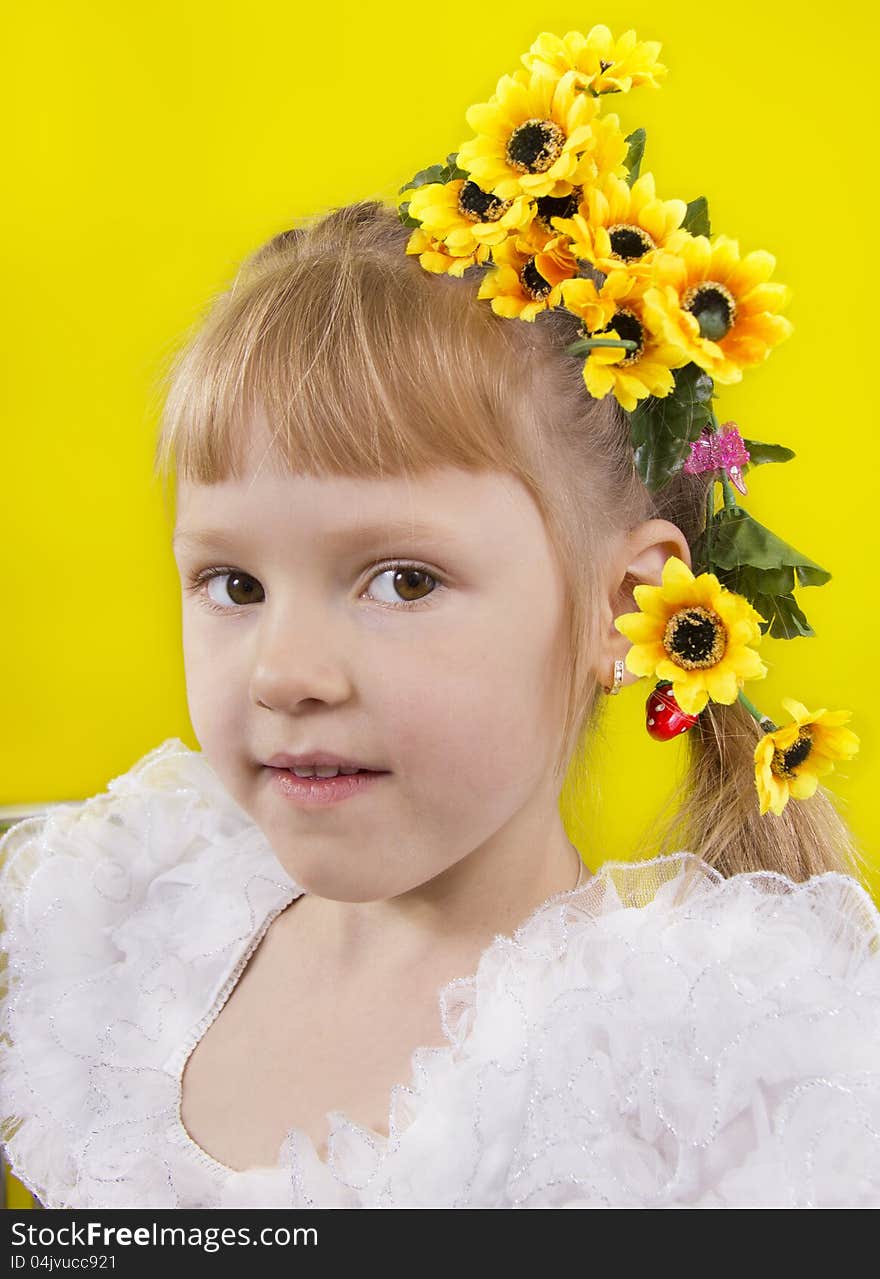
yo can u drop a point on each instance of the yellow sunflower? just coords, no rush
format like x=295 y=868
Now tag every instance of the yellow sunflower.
x=696 y=633
x=540 y=136
x=632 y=375
x=528 y=274
x=716 y=306
x=603 y=64
x=790 y=760
x=623 y=226
x=434 y=256
x=463 y=216
x=593 y=305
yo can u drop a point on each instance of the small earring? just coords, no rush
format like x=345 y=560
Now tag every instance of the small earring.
x=618 y=677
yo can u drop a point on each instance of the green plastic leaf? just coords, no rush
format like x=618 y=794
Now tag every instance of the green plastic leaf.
x=752 y=561
x=452 y=169
x=635 y=154
x=442 y=173
x=785 y=620
x=696 y=219
x=662 y=429
x=403 y=214
x=765 y=581
x=432 y=174
x=761 y=453
x=737 y=538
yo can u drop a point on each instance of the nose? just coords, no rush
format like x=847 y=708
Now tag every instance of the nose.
x=295 y=659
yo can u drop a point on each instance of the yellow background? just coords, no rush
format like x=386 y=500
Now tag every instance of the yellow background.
x=148 y=149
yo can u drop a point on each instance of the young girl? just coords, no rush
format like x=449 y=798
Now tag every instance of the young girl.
x=405 y=532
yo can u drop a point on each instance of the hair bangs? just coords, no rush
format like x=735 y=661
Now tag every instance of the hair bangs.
x=359 y=364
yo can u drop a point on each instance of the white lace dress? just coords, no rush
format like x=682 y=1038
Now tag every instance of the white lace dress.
x=658 y=1037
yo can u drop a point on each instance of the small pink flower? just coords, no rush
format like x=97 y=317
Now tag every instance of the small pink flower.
x=717 y=450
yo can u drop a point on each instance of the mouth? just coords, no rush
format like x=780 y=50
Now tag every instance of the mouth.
x=304 y=776
x=317 y=792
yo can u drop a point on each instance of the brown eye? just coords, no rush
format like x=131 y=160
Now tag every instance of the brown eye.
x=405 y=582
x=236 y=587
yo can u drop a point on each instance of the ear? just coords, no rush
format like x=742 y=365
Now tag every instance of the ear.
x=640 y=558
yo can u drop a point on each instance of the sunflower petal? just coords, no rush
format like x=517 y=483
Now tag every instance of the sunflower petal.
x=690 y=694
x=796 y=710
x=837 y=742
x=722 y=684
x=643 y=659
x=651 y=599
x=804 y=784
x=779 y=794
x=640 y=627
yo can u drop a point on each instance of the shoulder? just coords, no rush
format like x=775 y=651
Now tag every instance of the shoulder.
x=700 y=1040
x=118 y=915
x=145 y=821
x=70 y=878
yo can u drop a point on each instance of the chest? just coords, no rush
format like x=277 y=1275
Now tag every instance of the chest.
x=289 y=1045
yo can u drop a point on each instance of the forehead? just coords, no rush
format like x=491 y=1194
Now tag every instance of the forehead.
x=447 y=503
x=264 y=498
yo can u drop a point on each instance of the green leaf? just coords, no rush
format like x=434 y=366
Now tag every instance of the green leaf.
x=752 y=582
x=432 y=174
x=737 y=539
x=783 y=619
x=442 y=173
x=452 y=170
x=403 y=214
x=663 y=428
x=761 y=453
x=696 y=219
x=635 y=154
x=752 y=561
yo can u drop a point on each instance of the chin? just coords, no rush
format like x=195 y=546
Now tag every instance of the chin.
x=336 y=881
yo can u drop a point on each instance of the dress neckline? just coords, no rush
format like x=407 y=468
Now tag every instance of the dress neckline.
x=178 y=1059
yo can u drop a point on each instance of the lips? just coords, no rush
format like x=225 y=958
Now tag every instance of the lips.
x=319 y=759
x=322 y=792
x=305 y=773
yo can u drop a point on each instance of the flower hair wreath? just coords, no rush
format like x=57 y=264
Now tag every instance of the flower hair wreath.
x=548 y=192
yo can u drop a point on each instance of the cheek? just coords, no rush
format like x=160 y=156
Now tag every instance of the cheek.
x=213 y=712
x=483 y=715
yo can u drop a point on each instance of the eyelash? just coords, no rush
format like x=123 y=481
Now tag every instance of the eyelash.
x=198 y=581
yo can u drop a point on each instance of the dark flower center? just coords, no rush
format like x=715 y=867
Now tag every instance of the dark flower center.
x=784 y=763
x=557 y=206
x=533 y=282
x=695 y=638
x=630 y=242
x=478 y=205
x=627 y=325
x=714 y=308
x=534 y=146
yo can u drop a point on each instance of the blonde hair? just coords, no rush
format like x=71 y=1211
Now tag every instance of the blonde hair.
x=366 y=365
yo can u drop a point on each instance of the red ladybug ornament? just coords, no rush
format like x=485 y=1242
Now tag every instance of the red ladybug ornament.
x=664 y=718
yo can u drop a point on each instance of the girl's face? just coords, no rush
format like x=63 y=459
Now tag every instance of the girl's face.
x=448 y=674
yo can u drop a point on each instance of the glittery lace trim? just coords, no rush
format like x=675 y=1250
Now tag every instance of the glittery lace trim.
x=177 y=1062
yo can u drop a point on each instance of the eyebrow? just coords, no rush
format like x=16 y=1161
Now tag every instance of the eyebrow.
x=222 y=538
